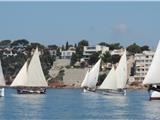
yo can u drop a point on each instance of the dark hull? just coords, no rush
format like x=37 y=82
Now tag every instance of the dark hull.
x=31 y=91
x=154 y=98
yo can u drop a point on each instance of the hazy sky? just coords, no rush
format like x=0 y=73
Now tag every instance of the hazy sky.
x=58 y=22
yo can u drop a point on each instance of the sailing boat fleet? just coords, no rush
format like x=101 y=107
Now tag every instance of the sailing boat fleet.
x=31 y=80
x=115 y=81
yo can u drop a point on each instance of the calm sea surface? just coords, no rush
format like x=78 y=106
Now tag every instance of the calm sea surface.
x=74 y=104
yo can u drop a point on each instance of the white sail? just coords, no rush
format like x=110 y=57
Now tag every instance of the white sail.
x=152 y=76
x=2 y=80
x=31 y=75
x=110 y=81
x=93 y=75
x=121 y=72
x=35 y=73
x=84 y=83
x=21 y=77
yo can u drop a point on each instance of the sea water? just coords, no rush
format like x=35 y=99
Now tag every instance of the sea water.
x=73 y=104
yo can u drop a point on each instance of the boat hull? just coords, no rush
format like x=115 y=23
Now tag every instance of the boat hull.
x=1 y=92
x=154 y=95
x=87 y=90
x=113 y=92
x=31 y=91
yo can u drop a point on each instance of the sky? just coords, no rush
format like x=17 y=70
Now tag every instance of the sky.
x=56 y=22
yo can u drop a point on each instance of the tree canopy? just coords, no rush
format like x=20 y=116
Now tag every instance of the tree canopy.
x=83 y=43
x=106 y=57
x=5 y=42
x=93 y=58
x=20 y=42
x=134 y=48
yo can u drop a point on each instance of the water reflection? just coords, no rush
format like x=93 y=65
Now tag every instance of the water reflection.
x=29 y=106
x=2 y=107
x=151 y=110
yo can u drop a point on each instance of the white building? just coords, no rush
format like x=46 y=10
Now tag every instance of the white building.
x=67 y=54
x=117 y=52
x=89 y=50
x=142 y=64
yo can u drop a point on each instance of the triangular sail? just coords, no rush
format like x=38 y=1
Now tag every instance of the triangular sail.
x=35 y=74
x=84 y=83
x=121 y=72
x=110 y=81
x=93 y=75
x=21 y=77
x=2 y=80
x=152 y=76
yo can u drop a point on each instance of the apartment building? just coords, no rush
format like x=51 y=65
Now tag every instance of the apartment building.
x=142 y=64
x=89 y=50
x=117 y=52
x=67 y=54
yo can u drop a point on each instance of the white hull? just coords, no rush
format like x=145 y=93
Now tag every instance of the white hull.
x=1 y=92
x=88 y=90
x=154 y=95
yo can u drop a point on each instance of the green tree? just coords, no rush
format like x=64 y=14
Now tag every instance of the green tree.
x=67 y=45
x=73 y=59
x=5 y=42
x=134 y=48
x=102 y=43
x=23 y=42
x=115 y=59
x=53 y=47
x=58 y=53
x=83 y=43
x=145 y=48
x=115 y=46
x=47 y=62
x=93 y=58
x=34 y=45
x=106 y=57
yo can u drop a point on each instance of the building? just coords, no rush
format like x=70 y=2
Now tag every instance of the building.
x=89 y=50
x=67 y=54
x=117 y=52
x=142 y=64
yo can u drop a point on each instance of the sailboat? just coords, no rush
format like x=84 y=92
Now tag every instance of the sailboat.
x=91 y=78
x=116 y=79
x=2 y=81
x=152 y=77
x=30 y=78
